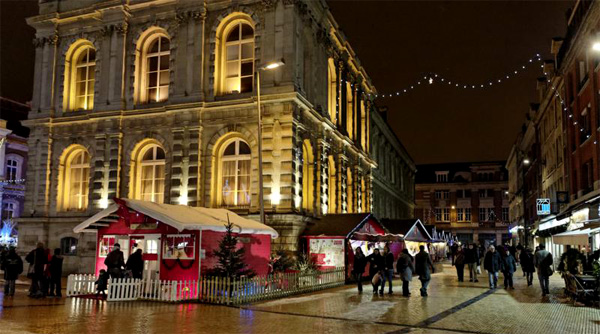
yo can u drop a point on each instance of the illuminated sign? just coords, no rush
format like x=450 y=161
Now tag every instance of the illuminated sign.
x=543 y=206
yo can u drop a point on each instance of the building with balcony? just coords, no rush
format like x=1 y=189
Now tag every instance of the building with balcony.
x=468 y=199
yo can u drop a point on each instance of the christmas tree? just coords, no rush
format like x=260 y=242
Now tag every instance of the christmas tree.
x=231 y=260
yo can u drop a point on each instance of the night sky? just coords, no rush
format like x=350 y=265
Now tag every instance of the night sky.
x=398 y=42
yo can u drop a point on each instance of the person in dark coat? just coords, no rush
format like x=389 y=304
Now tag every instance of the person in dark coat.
x=376 y=265
x=12 y=265
x=388 y=271
x=358 y=269
x=453 y=250
x=56 y=274
x=544 y=263
x=492 y=263
x=509 y=266
x=114 y=262
x=423 y=268
x=135 y=263
x=459 y=263
x=37 y=259
x=405 y=268
x=102 y=282
x=527 y=265
x=472 y=260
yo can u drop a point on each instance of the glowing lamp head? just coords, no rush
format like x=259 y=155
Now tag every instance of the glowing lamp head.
x=453 y=207
x=272 y=65
x=596 y=46
x=183 y=200
x=526 y=161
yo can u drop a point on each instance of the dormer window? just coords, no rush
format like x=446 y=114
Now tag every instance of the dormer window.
x=441 y=177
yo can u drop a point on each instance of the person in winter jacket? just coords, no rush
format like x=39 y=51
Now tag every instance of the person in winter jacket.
x=37 y=259
x=135 y=263
x=405 y=268
x=423 y=268
x=388 y=270
x=459 y=263
x=527 y=265
x=543 y=262
x=12 y=265
x=509 y=266
x=358 y=269
x=56 y=264
x=492 y=263
x=114 y=262
x=472 y=260
x=376 y=265
x=102 y=282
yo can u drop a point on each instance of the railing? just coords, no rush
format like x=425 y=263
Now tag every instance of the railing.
x=215 y=290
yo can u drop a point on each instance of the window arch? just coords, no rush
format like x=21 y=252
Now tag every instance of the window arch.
x=80 y=76
x=14 y=167
x=332 y=90
x=149 y=173
x=308 y=171
x=153 y=66
x=234 y=167
x=332 y=186
x=236 y=58
x=74 y=179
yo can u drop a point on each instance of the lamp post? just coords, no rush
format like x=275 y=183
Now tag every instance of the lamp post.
x=261 y=200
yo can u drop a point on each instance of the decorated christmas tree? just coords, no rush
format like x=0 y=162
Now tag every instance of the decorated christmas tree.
x=231 y=260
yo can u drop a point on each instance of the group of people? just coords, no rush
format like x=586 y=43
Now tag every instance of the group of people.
x=117 y=268
x=381 y=269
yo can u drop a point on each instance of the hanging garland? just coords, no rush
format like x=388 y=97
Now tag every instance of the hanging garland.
x=178 y=261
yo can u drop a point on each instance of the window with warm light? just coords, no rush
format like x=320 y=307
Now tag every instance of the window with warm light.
x=307 y=176
x=75 y=180
x=332 y=90
x=239 y=58
x=151 y=172
x=80 y=76
x=157 y=66
x=235 y=174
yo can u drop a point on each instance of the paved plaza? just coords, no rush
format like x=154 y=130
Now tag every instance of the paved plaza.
x=450 y=308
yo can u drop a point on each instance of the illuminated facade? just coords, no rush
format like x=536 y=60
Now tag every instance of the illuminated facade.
x=156 y=100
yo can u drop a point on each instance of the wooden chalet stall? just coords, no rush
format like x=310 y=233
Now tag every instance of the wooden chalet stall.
x=413 y=231
x=177 y=241
x=331 y=241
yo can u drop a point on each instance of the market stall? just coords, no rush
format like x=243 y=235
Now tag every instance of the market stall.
x=414 y=232
x=438 y=244
x=177 y=241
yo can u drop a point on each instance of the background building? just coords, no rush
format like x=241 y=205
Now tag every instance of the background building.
x=468 y=199
x=394 y=177
x=156 y=101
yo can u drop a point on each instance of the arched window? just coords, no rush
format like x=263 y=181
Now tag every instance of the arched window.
x=150 y=174
x=74 y=180
x=332 y=90
x=152 y=73
x=307 y=176
x=235 y=174
x=349 y=191
x=238 y=51
x=332 y=186
x=80 y=76
x=10 y=210
x=349 y=110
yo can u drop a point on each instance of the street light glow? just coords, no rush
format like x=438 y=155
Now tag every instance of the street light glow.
x=596 y=46
x=272 y=65
x=526 y=161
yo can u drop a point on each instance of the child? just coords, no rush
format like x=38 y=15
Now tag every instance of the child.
x=13 y=267
x=102 y=283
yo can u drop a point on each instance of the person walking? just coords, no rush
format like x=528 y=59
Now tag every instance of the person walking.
x=358 y=269
x=388 y=270
x=114 y=262
x=527 y=265
x=135 y=263
x=472 y=260
x=12 y=265
x=423 y=268
x=405 y=268
x=376 y=265
x=459 y=263
x=56 y=274
x=453 y=250
x=492 y=263
x=543 y=262
x=509 y=266
x=37 y=260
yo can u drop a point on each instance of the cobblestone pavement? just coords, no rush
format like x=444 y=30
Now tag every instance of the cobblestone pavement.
x=450 y=308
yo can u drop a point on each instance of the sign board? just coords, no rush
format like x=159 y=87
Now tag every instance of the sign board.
x=327 y=252
x=543 y=206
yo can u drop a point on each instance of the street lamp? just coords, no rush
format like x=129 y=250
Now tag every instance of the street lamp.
x=266 y=67
x=526 y=161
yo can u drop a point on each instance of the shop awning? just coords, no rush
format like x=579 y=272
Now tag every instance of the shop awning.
x=579 y=237
x=183 y=217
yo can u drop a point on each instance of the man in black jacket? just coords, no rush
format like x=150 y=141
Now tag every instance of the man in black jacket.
x=376 y=265
x=472 y=261
x=492 y=263
x=115 y=261
x=388 y=270
x=423 y=268
x=38 y=259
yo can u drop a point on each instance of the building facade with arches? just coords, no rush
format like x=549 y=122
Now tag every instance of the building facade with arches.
x=156 y=100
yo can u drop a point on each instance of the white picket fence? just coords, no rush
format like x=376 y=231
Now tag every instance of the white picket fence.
x=216 y=290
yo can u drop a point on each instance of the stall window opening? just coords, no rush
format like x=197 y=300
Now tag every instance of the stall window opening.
x=179 y=246
x=106 y=245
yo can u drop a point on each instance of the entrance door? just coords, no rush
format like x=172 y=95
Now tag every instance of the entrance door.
x=149 y=244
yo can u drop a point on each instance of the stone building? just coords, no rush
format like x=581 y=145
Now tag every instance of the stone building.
x=156 y=100
x=394 y=177
x=468 y=199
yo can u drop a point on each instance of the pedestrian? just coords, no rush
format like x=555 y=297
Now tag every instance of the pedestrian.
x=388 y=270
x=405 y=268
x=360 y=262
x=37 y=259
x=56 y=274
x=114 y=262
x=459 y=263
x=472 y=260
x=46 y=278
x=423 y=268
x=12 y=265
x=376 y=265
x=527 y=266
x=492 y=263
x=543 y=262
x=102 y=283
x=135 y=263
x=509 y=266
x=453 y=250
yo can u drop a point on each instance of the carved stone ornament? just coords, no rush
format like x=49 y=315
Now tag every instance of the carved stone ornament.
x=268 y=4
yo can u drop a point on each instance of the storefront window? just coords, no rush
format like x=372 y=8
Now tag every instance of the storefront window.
x=179 y=246
x=106 y=245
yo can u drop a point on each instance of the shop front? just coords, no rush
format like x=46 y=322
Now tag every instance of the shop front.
x=177 y=241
